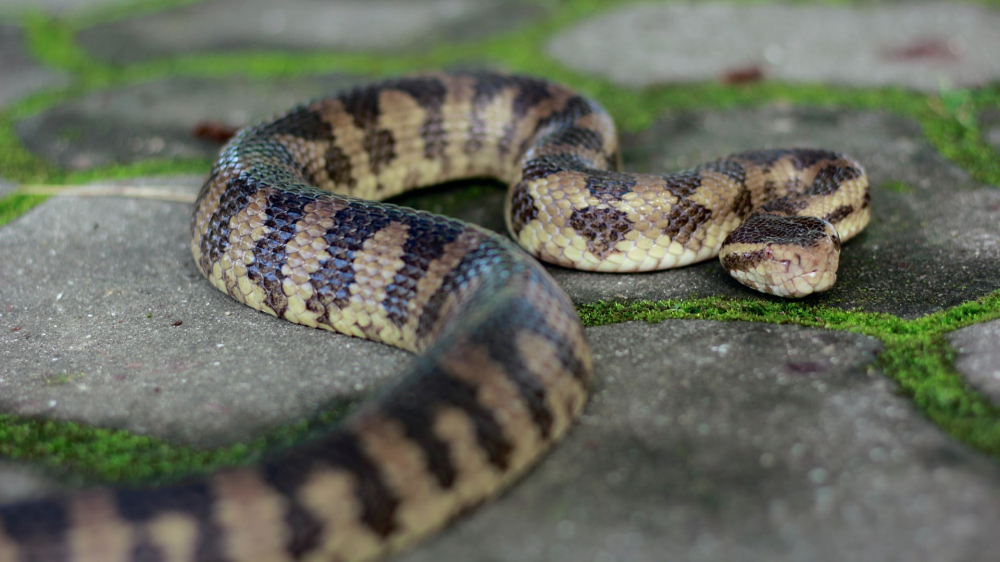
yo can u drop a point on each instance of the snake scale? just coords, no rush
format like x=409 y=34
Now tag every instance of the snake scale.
x=286 y=224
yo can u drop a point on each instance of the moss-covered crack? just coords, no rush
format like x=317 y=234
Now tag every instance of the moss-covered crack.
x=915 y=353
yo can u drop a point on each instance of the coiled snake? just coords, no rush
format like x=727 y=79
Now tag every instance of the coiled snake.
x=502 y=366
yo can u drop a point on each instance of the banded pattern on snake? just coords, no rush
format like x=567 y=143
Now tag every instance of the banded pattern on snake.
x=502 y=366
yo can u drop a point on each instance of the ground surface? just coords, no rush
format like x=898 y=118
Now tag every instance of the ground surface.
x=861 y=424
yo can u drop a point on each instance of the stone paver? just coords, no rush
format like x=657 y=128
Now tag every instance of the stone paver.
x=19 y=73
x=55 y=7
x=365 y=25
x=917 y=45
x=159 y=119
x=6 y=187
x=20 y=482
x=991 y=127
x=94 y=289
x=743 y=442
x=977 y=350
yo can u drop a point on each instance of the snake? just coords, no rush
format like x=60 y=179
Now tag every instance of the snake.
x=291 y=221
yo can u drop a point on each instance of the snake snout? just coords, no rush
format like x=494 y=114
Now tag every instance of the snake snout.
x=801 y=257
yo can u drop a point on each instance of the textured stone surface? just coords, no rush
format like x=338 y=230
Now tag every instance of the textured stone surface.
x=720 y=442
x=932 y=243
x=93 y=288
x=991 y=127
x=56 y=7
x=19 y=73
x=6 y=187
x=20 y=482
x=917 y=45
x=159 y=119
x=977 y=357
x=364 y=25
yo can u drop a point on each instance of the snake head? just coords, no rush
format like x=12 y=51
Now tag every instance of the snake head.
x=784 y=256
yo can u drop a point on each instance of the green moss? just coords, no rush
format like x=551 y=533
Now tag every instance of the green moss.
x=82 y=453
x=63 y=379
x=53 y=42
x=897 y=186
x=16 y=204
x=915 y=352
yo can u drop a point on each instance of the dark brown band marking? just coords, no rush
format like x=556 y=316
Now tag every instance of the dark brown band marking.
x=728 y=167
x=415 y=407
x=838 y=214
x=338 y=167
x=429 y=93
x=194 y=500
x=603 y=227
x=742 y=261
x=40 y=528
x=301 y=122
x=522 y=208
x=830 y=177
x=498 y=336
x=338 y=450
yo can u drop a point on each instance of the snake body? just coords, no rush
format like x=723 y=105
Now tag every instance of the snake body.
x=285 y=224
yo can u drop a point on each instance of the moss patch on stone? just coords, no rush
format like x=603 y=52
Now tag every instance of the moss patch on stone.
x=16 y=204
x=915 y=353
x=86 y=454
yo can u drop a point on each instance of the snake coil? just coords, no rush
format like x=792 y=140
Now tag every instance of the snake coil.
x=286 y=224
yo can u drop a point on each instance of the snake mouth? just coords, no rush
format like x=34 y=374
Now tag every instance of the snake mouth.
x=786 y=269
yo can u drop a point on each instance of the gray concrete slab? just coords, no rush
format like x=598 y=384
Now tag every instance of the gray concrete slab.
x=20 y=74
x=977 y=357
x=6 y=187
x=990 y=124
x=55 y=7
x=159 y=119
x=305 y=25
x=916 y=45
x=96 y=287
x=928 y=247
x=21 y=482
x=740 y=442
